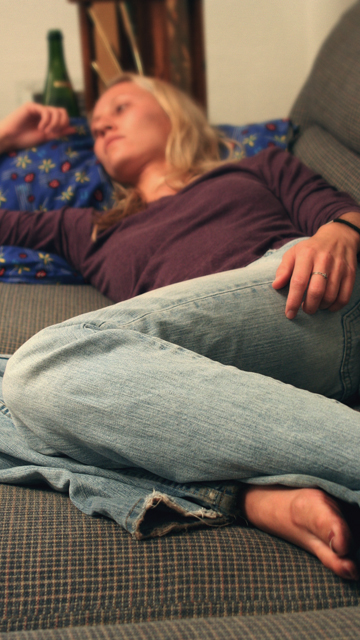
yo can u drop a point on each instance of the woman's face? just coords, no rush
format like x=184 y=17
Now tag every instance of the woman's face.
x=130 y=131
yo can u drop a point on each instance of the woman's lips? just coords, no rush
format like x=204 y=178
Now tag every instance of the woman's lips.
x=112 y=139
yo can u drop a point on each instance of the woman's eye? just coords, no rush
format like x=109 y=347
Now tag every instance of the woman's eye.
x=120 y=107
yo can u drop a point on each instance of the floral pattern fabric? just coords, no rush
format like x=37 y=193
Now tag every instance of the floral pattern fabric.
x=65 y=172
x=57 y=173
x=252 y=138
x=27 y=265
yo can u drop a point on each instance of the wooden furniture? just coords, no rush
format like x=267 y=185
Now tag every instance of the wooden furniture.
x=168 y=33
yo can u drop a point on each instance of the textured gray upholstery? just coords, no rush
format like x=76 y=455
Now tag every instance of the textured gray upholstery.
x=27 y=308
x=328 y=108
x=341 y=624
x=66 y=576
x=61 y=568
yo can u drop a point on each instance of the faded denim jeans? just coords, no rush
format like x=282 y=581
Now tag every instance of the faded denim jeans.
x=155 y=410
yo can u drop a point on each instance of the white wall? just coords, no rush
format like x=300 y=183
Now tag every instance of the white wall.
x=23 y=28
x=259 y=53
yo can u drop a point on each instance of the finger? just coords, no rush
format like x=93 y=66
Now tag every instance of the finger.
x=298 y=285
x=345 y=291
x=330 y=295
x=335 y=282
x=315 y=293
x=45 y=119
x=29 y=117
x=62 y=119
x=340 y=285
x=54 y=121
x=284 y=271
x=63 y=126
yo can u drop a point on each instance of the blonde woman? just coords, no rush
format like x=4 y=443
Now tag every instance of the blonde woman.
x=213 y=374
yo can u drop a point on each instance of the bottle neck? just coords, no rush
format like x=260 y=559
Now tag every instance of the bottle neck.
x=58 y=91
x=56 y=57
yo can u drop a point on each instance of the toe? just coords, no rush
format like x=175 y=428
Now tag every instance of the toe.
x=343 y=567
x=322 y=517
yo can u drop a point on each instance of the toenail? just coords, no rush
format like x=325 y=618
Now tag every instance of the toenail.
x=351 y=575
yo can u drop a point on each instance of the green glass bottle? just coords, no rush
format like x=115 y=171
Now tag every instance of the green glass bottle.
x=58 y=90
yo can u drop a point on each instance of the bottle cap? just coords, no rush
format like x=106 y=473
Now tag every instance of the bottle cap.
x=54 y=34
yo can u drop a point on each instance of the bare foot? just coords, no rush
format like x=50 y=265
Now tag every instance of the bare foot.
x=309 y=518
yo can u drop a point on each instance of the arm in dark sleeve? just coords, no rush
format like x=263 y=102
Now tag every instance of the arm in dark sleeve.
x=307 y=198
x=66 y=232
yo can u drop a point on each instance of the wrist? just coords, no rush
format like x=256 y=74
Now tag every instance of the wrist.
x=5 y=142
x=351 y=222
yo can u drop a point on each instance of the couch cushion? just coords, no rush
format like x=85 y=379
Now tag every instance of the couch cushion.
x=27 y=308
x=324 y=154
x=330 y=97
x=61 y=568
x=342 y=623
x=327 y=109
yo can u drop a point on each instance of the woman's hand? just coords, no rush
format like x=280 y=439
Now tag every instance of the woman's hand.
x=332 y=251
x=32 y=124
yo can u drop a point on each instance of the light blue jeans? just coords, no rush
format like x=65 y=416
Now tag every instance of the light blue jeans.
x=152 y=410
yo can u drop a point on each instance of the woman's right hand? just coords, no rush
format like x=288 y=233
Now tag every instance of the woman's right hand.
x=32 y=124
x=321 y=270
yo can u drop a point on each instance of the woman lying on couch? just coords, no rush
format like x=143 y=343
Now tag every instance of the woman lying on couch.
x=250 y=310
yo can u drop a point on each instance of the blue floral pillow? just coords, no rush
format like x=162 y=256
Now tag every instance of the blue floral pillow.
x=66 y=172
x=57 y=173
x=44 y=178
x=28 y=265
x=252 y=138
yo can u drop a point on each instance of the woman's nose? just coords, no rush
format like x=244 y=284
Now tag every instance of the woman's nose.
x=104 y=125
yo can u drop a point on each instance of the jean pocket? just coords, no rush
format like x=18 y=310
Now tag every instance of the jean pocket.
x=350 y=366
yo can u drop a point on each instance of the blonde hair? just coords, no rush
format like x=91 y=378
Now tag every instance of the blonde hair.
x=192 y=147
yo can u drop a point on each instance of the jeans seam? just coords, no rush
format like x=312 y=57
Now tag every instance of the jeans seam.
x=182 y=304
x=346 y=379
x=4 y=410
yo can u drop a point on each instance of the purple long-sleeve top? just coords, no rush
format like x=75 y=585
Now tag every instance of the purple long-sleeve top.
x=224 y=220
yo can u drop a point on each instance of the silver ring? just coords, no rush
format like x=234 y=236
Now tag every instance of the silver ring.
x=319 y=273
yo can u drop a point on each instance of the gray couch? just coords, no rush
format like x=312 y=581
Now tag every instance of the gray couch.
x=66 y=575
x=327 y=109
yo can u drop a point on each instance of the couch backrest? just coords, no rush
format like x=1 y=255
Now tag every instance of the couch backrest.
x=331 y=95
x=328 y=109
